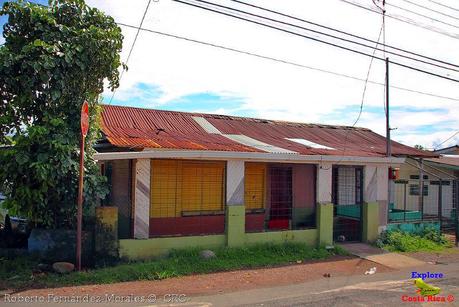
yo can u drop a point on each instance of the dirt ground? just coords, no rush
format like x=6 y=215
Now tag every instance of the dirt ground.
x=447 y=256
x=225 y=281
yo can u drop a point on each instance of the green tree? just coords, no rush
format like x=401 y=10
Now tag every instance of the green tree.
x=54 y=58
x=420 y=147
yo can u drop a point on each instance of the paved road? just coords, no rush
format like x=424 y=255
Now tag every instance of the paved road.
x=387 y=289
x=380 y=289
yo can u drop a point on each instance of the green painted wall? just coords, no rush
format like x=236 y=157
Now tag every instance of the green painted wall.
x=308 y=236
x=148 y=248
x=235 y=236
x=325 y=224
x=235 y=225
x=370 y=222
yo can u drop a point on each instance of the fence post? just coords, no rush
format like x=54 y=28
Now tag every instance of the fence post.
x=421 y=188
x=440 y=205
x=456 y=218
x=457 y=228
x=421 y=198
x=404 y=201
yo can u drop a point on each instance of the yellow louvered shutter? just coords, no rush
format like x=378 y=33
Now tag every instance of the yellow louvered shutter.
x=186 y=186
x=191 y=187
x=164 y=177
x=254 y=195
x=202 y=186
x=212 y=186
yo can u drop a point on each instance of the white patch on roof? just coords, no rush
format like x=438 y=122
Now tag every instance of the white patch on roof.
x=310 y=144
x=248 y=141
x=204 y=123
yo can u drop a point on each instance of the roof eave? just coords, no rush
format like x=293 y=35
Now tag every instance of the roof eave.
x=247 y=156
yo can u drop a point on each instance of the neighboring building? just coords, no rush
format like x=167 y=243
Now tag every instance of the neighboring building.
x=452 y=150
x=190 y=179
x=438 y=178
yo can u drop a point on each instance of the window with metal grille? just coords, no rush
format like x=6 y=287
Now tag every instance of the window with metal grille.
x=414 y=189
x=443 y=182
x=417 y=177
x=186 y=188
x=281 y=193
x=347 y=185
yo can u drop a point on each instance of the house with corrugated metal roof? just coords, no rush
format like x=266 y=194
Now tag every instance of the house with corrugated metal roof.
x=189 y=179
x=425 y=193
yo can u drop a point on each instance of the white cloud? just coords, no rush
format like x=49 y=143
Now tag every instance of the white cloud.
x=274 y=90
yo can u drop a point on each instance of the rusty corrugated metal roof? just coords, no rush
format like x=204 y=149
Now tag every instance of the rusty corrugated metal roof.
x=148 y=128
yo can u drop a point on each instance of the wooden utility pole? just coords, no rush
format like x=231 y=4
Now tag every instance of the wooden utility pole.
x=388 y=145
x=84 y=123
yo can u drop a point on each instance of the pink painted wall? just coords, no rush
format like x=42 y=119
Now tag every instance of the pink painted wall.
x=304 y=186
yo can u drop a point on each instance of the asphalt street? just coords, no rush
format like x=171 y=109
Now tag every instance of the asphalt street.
x=388 y=289
x=381 y=289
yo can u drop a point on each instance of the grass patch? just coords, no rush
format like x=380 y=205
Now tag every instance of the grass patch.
x=16 y=273
x=426 y=241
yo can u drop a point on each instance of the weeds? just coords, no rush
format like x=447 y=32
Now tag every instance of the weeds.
x=426 y=240
x=178 y=263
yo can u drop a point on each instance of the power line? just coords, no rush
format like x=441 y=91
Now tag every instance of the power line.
x=454 y=134
x=422 y=15
x=333 y=36
x=404 y=20
x=317 y=40
x=341 y=32
x=430 y=9
x=383 y=10
x=132 y=48
x=283 y=61
x=444 y=5
x=363 y=98
x=366 y=79
x=363 y=93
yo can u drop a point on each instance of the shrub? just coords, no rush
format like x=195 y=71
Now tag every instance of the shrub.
x=428 y=239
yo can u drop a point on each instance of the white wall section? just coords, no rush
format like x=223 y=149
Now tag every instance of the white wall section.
x=142 y=199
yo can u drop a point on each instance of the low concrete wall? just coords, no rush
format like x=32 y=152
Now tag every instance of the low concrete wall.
x=234 y=236
x=308 y=236
x=144 y=249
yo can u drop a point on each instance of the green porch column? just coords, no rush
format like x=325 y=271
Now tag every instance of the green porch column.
x=235 y=208
x=325 y=223
x=235 y=225
x=370 y=221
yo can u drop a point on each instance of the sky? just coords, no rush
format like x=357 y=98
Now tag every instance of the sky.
x=171 y=74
